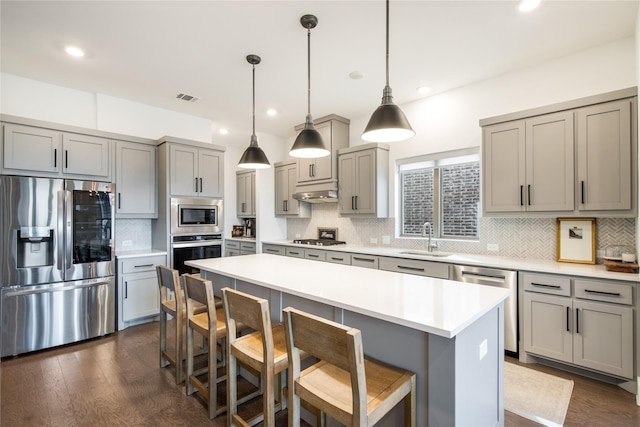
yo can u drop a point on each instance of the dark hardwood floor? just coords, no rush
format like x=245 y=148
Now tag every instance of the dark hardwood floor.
x=116 y=381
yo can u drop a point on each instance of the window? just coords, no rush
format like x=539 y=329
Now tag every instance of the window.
x=442 y=189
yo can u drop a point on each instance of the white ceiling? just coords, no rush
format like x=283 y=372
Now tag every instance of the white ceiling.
x=149 y=51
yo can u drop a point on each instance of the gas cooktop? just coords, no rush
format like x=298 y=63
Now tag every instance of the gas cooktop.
x=319 y=242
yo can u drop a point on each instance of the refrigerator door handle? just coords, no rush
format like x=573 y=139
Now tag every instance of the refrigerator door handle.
x=60 y=232
x=68 y=227
x=55 y=287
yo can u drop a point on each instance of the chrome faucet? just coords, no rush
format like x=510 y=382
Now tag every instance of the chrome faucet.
x=430 y=246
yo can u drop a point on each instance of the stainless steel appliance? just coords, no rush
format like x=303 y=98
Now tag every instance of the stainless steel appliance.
x=187 y=248
x=57 y=273
x=499 y=278
x=196 y=216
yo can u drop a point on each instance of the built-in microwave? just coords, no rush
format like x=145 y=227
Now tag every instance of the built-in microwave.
x=190 y=216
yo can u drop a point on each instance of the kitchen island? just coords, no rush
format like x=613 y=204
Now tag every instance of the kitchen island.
x=449 y=333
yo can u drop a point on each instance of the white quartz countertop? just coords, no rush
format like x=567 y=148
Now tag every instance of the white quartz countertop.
x=139 y=253
x=521 y=264
x=436 y=306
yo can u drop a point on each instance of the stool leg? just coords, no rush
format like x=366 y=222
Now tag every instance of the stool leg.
x=189 y=388
x=268 y=397
x=212 y=373
x=163 y=339
x=179 y=363
x=410 y=405
x=232 y=388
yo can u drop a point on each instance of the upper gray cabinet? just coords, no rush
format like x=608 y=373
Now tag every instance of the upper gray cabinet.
x=136 y=180
x=604 y=156
x=363 y=173
x=246 y=194
x=285 y=205
x=38 y=151
x=335 y=134
x=528 y=165
x=578 y=160
x=195 y=171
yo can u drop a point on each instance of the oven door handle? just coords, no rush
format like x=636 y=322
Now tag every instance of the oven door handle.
x=195 y=244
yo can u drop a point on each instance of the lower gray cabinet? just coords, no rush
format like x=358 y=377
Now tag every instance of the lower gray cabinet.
x=231 y=248
x=590 y=328
x=411 y=266
x=273 y=249
x=138 y=292
x=366 y=261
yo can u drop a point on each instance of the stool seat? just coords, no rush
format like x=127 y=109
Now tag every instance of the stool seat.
x=249 y=347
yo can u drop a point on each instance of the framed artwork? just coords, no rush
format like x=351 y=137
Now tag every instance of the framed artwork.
x=577 y=240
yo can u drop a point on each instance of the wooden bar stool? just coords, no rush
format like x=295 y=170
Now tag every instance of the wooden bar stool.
x=171 y=304
x=212 y=326
x=344 y=384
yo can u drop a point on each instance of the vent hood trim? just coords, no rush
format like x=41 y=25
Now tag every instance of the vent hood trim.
x=319 y=196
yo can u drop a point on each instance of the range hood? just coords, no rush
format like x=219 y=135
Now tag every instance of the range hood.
x=328 y=195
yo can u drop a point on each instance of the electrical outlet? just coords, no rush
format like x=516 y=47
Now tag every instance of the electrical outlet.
x=374 y=240
x=493 y=247
x=127 y=243
x=297 y=235
x=386 y=240
x=483 y=349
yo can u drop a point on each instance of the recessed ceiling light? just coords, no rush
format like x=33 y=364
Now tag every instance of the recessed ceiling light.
x=528 y=5
x=356 y=75
x=272 y=112
x=74 y=51
x=223 y=131
x=424 y=89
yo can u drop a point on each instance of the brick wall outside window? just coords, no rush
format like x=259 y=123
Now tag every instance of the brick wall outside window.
x=417 y=203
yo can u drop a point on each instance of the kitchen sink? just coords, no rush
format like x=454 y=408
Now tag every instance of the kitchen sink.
x=427 y=253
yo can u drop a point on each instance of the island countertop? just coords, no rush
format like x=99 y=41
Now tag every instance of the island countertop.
x=436 y=306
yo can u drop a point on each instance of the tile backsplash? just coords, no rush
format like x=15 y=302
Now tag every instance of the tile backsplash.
x=516 y=237
x=135 y=231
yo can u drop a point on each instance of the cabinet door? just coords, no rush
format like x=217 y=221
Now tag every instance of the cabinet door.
x=547 y=326
x=241 y=194
x=549 y=163
x=604 y=156
x=210 y=169
x=347 y=183
x=293 y=205
x=504 y=167
x=136 y=182
x=282 y=189
x=320 y=168
x=140 y=296
x=603 y=337
x=31 y=149
x=365 y=182
x=86 y=155
x=184 y=170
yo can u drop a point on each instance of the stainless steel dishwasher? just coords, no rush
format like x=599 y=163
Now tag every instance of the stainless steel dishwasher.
x=502 y=279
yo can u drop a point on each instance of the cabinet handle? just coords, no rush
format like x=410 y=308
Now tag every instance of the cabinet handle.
x=529 y=194
x=143 y=265
x=568 y=315
x=196 y=184
x=582 y=192
x=577 y=320
x=363 y=259
x=294 y=253
x=353 y=203
x=55 y=157
x=119 y=200
x=611 y=294
x=337 y=259
x=313 y=170
x=66 y=159
x=243 y=207
x=356 y=202
x=521 y=201
x=201 y=184
x=544 y=285
x=313 y=256
x=404 y=267
x=273 y=251
x=126 y=290
x=310 y=171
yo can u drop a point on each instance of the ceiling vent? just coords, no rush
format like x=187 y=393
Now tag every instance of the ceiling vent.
x=185 y=97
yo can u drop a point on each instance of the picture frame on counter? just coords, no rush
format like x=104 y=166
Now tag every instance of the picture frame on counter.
x=576 y=240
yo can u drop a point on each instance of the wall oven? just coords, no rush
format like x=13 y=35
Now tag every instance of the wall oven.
x=187 y=248
x=196 y=216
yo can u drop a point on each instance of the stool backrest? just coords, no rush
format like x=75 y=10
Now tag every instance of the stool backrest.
x=199 y=290
x=169 y=282
x=332 y=342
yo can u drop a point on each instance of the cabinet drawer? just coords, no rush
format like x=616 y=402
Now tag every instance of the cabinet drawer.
x=410 y=266
x=295 y=252
x=248 y=246
x=137 y=265
x=315 y=254
x=366 y=261
x=274 y=250
x=620 y=293
x=232 y=244
x=546 y=284
x=339 y=258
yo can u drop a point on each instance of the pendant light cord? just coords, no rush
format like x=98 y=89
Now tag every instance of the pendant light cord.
x=387 y=57
x=308 y=71
x=254 y=100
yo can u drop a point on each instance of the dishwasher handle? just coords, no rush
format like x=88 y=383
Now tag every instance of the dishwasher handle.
x=498 y=278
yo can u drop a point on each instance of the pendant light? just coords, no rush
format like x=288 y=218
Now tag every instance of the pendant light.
x=309 y=143
x=253 y=157
x=388 y=123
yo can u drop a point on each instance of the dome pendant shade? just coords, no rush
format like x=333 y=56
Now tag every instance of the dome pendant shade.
x=388 y=123
x=253 y=157
x=309 y=142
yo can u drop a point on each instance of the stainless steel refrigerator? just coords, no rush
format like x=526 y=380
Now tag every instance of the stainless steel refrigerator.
x=57 y=281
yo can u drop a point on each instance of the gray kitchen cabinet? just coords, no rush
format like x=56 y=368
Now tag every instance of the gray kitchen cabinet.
x=273 y=249
x=136 y=180
x=315 y=254
x=294 y=252
x=335 y=134
x=413 y=266
x=528 y=165
x=195 y=171
x=363 y=180
x=366 y=261
x=604 y=156
x=246 y=194
x=34 y=151
x=286 y=179
x=589 y=327
x=247 y=248
x=231 y=248
x=338 y=257
x=139 y=296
